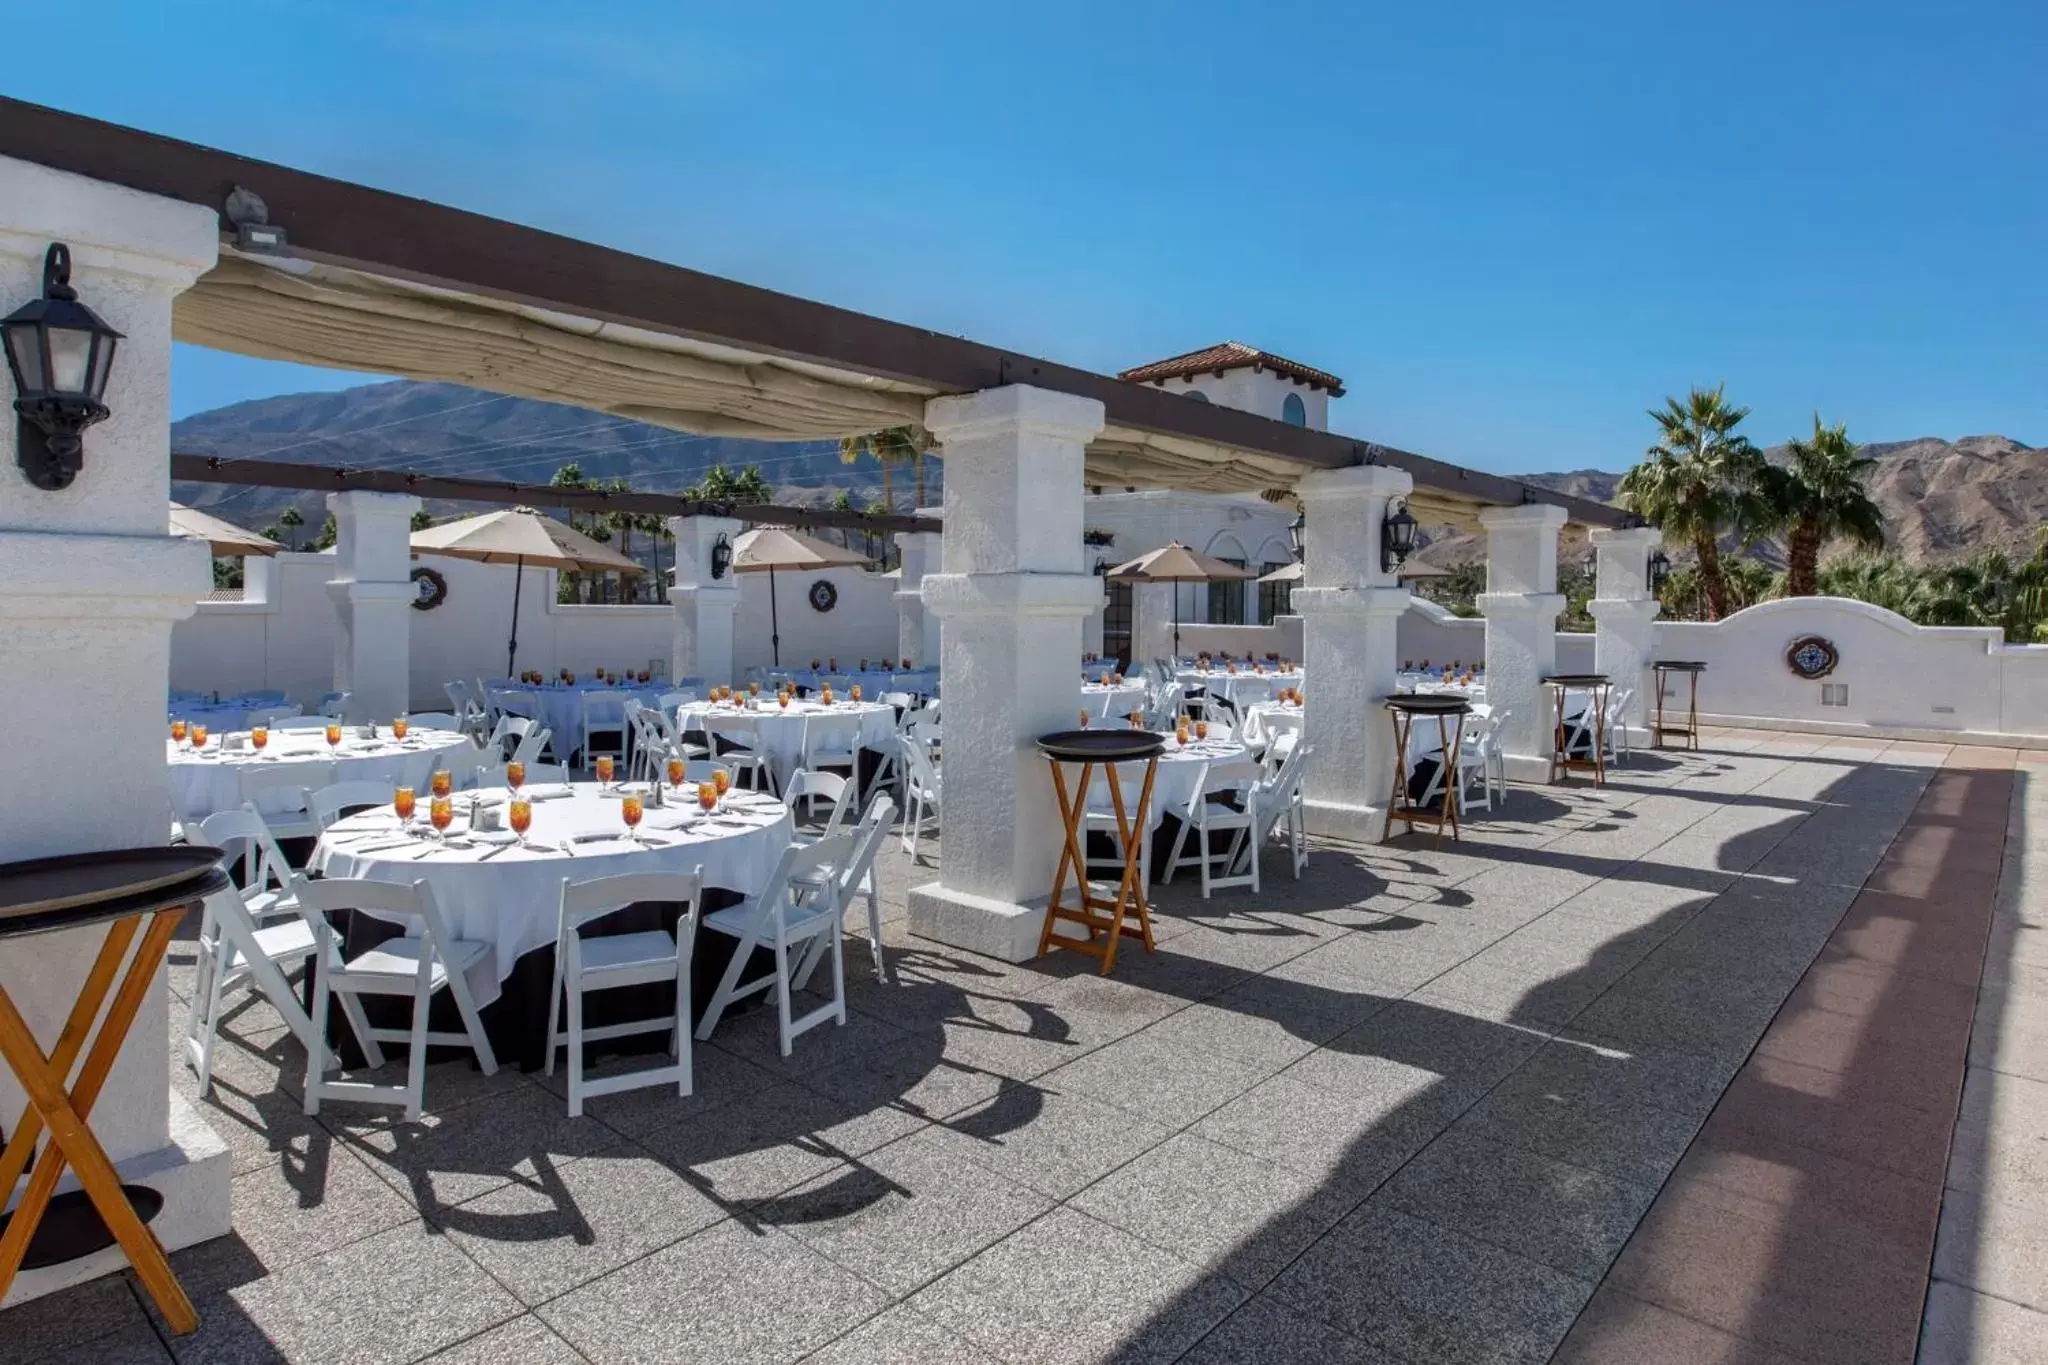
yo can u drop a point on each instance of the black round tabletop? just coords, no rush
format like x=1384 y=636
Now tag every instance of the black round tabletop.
x=1680 y=666
x=1428 y=704
x=1101 y=746
x=1577 y=680
x=43 y=894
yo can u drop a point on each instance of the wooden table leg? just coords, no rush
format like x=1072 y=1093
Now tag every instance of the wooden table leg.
x=71 y=1142
x=1070 y=854
x=1452 y=781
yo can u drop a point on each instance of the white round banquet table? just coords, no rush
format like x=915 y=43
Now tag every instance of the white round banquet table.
x=1173 y=786
x=1112 y=701
x=491 y=889
x=221 y=717
x=207 y=780
x=873 y=681
x=561 y=707
x=781 y=728
x=1242 y=687
x=1264 y=719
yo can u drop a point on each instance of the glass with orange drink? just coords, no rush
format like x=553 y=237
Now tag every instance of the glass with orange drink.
x=440 y=782
x=404 y=803
x=604 y=770
x=515 y=775
x=707 y=796
x=441 y=813
x=259 y=736
x=197 y=734
x=399 y=726
x=630 y=810
x=333 y=735
x=177 y=732
x=520 y=815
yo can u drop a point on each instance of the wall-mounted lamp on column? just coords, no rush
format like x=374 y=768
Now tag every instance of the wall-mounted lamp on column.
x=61 y=355
x=1397 y=537
x=1657 y=570
x=721 y=557
x=1297 y=534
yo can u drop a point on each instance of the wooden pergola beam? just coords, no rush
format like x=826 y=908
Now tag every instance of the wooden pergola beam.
x=331 y=479
x=387 y=234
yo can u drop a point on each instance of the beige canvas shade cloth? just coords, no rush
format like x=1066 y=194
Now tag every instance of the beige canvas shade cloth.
x=1176 y=563
x=228 y=540
x=520 y=535
x=1414 y=568
x=767 y=548
x=319 y=314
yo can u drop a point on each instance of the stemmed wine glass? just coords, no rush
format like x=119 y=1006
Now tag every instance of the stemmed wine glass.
x=441 y=813
x=520 y=814
x=604 y=771
x=630 y=810
x=404 y=803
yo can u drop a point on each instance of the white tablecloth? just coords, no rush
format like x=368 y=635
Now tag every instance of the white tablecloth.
x=1264 y=719
x=1242 y=687
x=562 y=707
x=513 y=901
x=1174 y=784
x=209 y=780
x=782 y=728
x=1103 y=701
x=873 y=681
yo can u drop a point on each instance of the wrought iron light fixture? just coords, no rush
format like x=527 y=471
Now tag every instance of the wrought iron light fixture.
x=61 y=354
x=721 y=557
x=1297 y=534
x=1397 y=537
x=1657 y=570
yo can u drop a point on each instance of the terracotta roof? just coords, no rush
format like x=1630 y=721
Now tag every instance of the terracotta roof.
x=1233 y=355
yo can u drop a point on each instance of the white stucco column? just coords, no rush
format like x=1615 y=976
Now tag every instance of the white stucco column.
x=373 y=595
x=1521 y=605
x=917 y=631
x=1012 y=593
x=90 y=584
x=701 y=645
x=1624 y=616
x=1350 y=607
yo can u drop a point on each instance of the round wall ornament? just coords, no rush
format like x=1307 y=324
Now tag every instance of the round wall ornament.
x=1812 y=657
x=823 y=596
x=431 y=587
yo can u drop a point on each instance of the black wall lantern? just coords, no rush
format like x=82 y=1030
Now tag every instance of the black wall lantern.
x=1297 y=534
x=721 y=557
x=1657 y=570
x=1397 y=537
x=61 y=355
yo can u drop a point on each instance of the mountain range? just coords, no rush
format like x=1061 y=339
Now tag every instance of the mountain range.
x=1940 y=498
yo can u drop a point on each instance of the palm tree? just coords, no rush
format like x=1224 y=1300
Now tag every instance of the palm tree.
x=1819 y=497
x=887 y=448
x=291 y=519
x=842 y=501
x=1698 y=482
x=569 y=586
x=422 y=519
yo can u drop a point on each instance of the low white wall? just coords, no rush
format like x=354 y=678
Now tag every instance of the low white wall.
x=282 y=635
x=1283 y=638
x=1900 y=678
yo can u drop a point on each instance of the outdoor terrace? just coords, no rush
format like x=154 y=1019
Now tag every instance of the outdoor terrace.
x=1669 y=1071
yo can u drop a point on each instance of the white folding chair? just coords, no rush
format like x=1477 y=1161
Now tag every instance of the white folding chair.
x=487 y=775
x=1201 y=817
x=282 y=795
x=604 y=728
x=1615 y=724
x=299 y=723
x=327 y=804
x=417 y=966
x=1100 y=818
x=532 y=745
x=921 y=788
x=460 y=701
x=832 y=744
x=798 y=903
x=268 y=716
x=807 y=787
x=640 y=958
x=857 y=877
x=1280 y=812
x=435 y=720
x=1479 y=759
x=335 y=705
x=735 y=741
x=252 y=933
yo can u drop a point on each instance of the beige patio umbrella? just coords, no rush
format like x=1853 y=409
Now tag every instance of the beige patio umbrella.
x=1176 y=563
x=228 y=540
x=768 y=548
x=520 y=536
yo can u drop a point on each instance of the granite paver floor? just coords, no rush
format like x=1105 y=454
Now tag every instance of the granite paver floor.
x=1410 y=1108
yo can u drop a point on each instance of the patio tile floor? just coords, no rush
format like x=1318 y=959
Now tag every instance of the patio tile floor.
x=1422 y=1106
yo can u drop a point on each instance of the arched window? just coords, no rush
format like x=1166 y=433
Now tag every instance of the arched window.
x=1294 y=412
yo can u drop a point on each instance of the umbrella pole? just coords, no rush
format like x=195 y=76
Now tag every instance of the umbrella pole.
x=774 y=620
x=512 y=647
x=1176 y=625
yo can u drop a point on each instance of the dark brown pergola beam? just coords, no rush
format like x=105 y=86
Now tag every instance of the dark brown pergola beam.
x=373 y=230
x=328 y=479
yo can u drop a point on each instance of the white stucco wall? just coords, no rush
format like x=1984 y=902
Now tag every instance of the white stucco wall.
x=1259 y=391
x=283 y=636
x=1900 y=677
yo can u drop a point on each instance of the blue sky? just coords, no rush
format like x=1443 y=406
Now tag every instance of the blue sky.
x=1510 y=227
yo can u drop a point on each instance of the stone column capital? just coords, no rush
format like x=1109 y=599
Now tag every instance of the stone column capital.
x=363 y=502
x=110 y=229
x=1624 y=611
x=1496 y=606
x=1529 y=516
x=1645 y=538
x=1321 y=601
x=1015 y=408
x=1361 y=482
